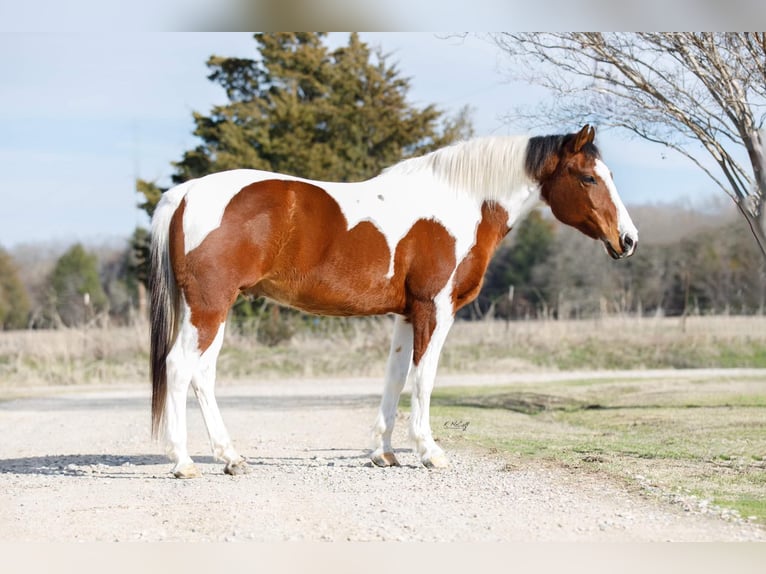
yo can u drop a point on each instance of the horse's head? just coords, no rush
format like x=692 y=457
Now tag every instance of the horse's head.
x=580 y=191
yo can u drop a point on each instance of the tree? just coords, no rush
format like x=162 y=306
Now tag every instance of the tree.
x=513 y=267
x=14 y=303
x=76 y=290
x=715 y=270
x=305 y=110
x=708 y=88
x=121 y=284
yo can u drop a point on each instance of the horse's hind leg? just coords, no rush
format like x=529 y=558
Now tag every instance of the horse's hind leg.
x=203 y=383
x=181 y=363
x=399 y=360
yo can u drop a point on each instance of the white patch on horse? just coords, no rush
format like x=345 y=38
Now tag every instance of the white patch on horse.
x=408 y=199
x=181 y=364
x=447 y=186
x=625 y=224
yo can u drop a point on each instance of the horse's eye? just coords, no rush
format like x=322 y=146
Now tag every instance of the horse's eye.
x=589 y=179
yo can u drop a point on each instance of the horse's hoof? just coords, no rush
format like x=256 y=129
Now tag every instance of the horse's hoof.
x=384 y=459
x=237 y=468
x=187 y=471
x=438 y=460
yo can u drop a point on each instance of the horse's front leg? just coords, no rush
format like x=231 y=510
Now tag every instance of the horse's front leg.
x=431 y=322
x=397 y=369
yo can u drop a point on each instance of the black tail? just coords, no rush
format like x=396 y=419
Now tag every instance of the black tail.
x=163 y=308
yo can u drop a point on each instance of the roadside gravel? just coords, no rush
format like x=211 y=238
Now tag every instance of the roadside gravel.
x=79 y=466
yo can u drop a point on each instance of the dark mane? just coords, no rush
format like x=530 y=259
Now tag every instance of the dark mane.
x=540 y=148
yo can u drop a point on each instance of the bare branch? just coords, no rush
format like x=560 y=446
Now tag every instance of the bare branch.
x=666 y=88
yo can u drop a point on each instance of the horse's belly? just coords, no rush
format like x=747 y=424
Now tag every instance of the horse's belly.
x=338 y=298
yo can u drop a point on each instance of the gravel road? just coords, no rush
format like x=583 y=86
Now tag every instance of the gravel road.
x=78 y=465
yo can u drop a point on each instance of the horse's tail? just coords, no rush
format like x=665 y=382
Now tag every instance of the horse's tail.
x=164 y=304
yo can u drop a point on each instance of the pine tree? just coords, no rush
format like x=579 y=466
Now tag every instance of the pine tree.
x=14 y=303
x=76 y=289
x=302 y=109
x=514 y=266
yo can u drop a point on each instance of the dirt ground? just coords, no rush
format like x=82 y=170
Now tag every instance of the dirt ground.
x=77 y=464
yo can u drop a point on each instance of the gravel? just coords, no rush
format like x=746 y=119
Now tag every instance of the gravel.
x=79 y=466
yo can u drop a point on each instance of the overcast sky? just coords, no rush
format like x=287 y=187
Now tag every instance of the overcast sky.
x=83 y=115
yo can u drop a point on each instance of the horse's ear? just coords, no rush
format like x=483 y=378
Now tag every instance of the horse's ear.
x=584 y=136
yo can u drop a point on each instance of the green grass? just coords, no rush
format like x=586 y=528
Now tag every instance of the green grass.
x=675 y=437
x=593 y=353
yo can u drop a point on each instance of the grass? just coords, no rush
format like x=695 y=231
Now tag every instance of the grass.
x=703 y=441
x=74 y=356
x=347 y=347
x=616 y=343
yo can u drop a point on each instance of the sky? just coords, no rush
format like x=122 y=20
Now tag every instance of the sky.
x=82 y=115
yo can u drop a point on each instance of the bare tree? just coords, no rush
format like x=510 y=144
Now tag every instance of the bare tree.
x=669 y=88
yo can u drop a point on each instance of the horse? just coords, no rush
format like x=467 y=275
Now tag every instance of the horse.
x=414 y=241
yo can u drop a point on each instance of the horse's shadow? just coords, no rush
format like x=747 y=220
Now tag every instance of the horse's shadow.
x=83 y=464
x=128 y=466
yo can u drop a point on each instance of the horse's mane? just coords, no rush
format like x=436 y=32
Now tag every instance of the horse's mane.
x=489 y=167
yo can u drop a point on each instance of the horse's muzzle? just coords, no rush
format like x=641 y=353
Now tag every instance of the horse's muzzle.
x=627 y=247
x=629 y=244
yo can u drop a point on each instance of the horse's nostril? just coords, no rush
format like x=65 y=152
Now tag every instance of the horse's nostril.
x=627 y=241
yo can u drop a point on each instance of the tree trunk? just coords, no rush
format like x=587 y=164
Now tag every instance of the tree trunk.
x=754 y=213
x=757 y=223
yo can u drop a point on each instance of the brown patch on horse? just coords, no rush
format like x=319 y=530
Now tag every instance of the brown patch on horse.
x=425 y=259
x=323 y=267
x=470 y=273
x=212 y=274
x=288 y=240
x=176 y=242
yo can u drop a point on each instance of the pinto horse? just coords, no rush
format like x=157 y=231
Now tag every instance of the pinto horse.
x=414 y=241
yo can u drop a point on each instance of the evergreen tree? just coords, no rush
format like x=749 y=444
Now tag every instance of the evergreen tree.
x=120 y=283
x=303 y=109
x=514 y=265
x=14 y=303
x=75 y=287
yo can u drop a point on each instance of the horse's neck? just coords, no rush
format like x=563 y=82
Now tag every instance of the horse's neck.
x=520 y=202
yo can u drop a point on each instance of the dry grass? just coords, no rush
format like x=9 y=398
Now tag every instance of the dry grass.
x=74 y=356
x=615 y=343
x=343 y=347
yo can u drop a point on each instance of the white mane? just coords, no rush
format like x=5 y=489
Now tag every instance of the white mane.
x=489 y=167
